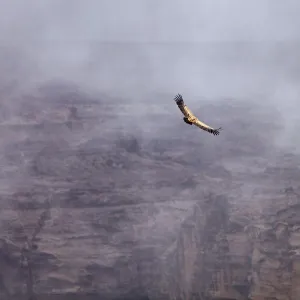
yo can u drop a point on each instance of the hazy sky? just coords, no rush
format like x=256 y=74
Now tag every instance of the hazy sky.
x=151 y=20
x=65 y=35
x=198 y=48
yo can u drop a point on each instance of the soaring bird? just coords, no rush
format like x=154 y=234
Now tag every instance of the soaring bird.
x=191 y=119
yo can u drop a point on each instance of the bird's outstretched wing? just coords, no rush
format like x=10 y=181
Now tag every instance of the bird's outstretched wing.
x=183 y=108
x=207 y=128
x=192 y=118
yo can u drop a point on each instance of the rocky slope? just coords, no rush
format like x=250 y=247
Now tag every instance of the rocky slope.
x=101 y=198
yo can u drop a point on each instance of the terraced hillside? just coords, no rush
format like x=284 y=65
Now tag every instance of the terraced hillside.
x=100 y=196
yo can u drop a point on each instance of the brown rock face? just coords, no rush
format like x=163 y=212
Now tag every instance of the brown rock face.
x=94 y=205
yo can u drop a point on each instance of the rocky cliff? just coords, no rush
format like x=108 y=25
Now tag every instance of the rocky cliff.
x=99 y=199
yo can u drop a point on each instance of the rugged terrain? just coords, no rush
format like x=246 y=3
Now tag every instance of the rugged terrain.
x=100 y=196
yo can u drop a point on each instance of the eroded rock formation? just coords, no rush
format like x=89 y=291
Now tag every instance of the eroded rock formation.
x=93 y=209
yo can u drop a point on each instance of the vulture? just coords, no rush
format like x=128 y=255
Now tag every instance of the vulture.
x=191 y=119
